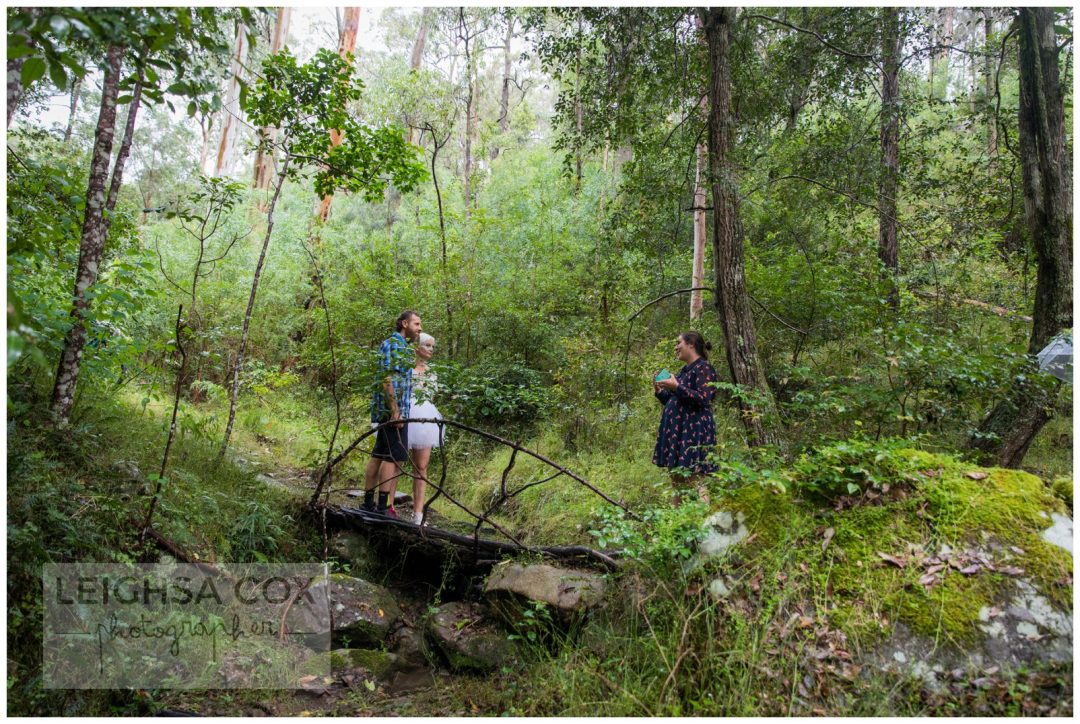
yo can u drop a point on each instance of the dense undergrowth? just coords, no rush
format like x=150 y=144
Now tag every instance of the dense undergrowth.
x=528 y=264
x=81 y=496
x=810 y=577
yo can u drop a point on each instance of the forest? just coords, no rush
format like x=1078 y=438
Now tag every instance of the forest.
x=216 y=215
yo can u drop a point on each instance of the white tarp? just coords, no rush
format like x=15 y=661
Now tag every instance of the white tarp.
x=1056 y=357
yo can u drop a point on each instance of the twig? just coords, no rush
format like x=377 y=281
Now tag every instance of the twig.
x=630 y=329
x=488 y=436
x=823 y=41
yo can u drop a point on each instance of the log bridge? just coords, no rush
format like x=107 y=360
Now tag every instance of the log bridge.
x=473 y=543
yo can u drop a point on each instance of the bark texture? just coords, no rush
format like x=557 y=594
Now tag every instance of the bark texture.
x=755 y=401
x=698 y=274
x=890 y=147
x=14 y=73
x=504 y=96
x=416 y=58
x=91 y=244
x=124 y=152
x=1010 y=428
x=73 y=107
x=988 y=80
x=471 y=116
x=14 y=85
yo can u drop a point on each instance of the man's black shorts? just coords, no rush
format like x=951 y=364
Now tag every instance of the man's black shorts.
x=392 y=443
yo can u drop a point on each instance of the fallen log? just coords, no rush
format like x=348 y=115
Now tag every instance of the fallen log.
x=360 y=518
x=993 y=309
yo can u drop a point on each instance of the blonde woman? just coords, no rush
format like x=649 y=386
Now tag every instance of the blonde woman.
x=423 y=436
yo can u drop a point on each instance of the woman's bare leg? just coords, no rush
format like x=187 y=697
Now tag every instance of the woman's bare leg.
x=421 y=456
x=698 y=481
x=679 y=482
x=676 y=485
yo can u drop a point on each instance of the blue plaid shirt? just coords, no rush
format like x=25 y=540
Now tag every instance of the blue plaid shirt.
x=395 y=360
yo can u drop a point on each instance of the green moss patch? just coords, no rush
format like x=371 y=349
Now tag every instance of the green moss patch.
x=881 y=561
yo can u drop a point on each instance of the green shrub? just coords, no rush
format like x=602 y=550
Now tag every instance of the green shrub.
x=491 y=392
x=663 y=538
x=850 y=467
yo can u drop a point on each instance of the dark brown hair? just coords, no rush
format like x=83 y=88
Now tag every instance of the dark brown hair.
x=403 y=318
x=698 y=342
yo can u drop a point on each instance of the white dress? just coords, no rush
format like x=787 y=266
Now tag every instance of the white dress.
x=425 y=434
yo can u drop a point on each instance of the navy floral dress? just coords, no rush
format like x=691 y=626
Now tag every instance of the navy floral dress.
x=687 y=431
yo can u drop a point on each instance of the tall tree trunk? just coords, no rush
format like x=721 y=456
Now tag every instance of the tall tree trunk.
x=698 y=274
x=470 y=115
x=239 y=361
x=416 y=58
x=264 y=162
x=346 y=46
x=76 y=88
x=603 y=188
x=230 y=114
x=504 y=97
x=579 y=111
x=1010 y=428
x=697 y=277
x=949 y=22
x=14 y=85
x=755 y=402
x=890 y=148
x=124 y=152
x=988 y=79
x=206 y=127
x=92 y=242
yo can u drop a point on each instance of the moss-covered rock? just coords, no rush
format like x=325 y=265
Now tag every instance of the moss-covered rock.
x=949 y=559
x=467 y=636
x=377 y=662
x=354 y=550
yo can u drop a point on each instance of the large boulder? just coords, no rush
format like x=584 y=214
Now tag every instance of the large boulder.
x=361 y=612
x=951 y=574
x=470 y=640
x=408 y=644
x=569 y=592
x=356 y=552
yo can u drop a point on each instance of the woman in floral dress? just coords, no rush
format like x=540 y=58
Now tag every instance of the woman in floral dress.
x=687 y=432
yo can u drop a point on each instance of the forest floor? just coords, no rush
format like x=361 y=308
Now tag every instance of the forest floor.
x=251 y=506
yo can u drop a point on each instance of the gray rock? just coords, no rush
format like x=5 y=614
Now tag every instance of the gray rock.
x=360 y=611
x=1061 y=532
x=569 y=592
x=408 y=644
x=1024 y=629
x=720 y=588
x=127 y=469
x=355 y=550
x=722 y=531
x=468 y=637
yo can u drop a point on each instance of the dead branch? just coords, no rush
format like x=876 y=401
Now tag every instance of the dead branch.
x=993 y=309
x=480 y=433
x=356 y=517
x=180 y=554
x=630 y=329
